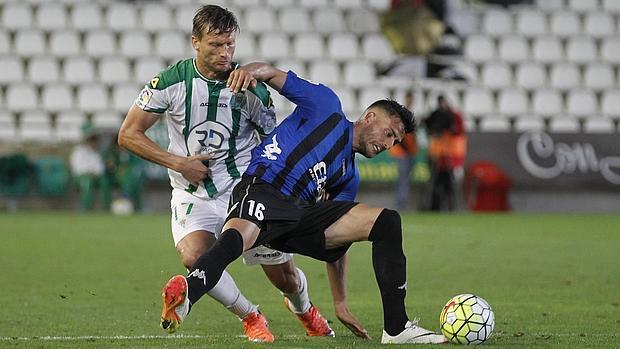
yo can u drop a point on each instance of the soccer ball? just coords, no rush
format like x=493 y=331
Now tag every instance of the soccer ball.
x=467 y=319
x=121 y=207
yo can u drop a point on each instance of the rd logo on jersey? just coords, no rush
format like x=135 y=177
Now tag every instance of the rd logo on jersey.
x=271 y=149
x=208 y=137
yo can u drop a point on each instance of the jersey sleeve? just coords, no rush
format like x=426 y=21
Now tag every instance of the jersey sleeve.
x=261 y=110
x=349 y=191
x=152 y=98
x=308 y=94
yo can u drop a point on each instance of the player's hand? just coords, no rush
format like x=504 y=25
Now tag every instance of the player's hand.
x=344 y=315
x=194 y=168
x=240 y=80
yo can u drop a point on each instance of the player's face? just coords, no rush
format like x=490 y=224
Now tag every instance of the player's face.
x=380 y=132
x=214 y=52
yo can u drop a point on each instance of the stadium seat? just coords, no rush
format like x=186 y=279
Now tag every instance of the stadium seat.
x=124 y=95
x=581 y=50
x=565 y=76
x=599 y=76
x=29 y=42
x=172 y=45
x=531 y=23
x=145 y=68
x=283 y=106
x=469 y=70
x=496 y=23
x=121 y=17
x=86 y=16
x=343 y=47
x=564 y=125
x=64 y=43
x=135 y=44
x=56 y=97
x=326 y=72
x=17 y=15
x=599 y=125
x=183 y=16
x=259 y=20
x=73 y=117
x=599 y=24
x=245 y=46
x=114 y=70
x=369 y=95
x=328 y=21
x=379 y=5
x=21 y=96
x=531 y=75
x=565 y=24
x=293 y=64
x=156 y=17
x=512 y=102
x=36 y=126
x=280 y=3
x=99 y=43
x=362 y=21
x=513 y=49
x=479 y=48
x=610 y=50
x=610 y=103
x=51 y=16
x=547 y=102
x=44 y=69
x=314 y=4
x=78 y=69
x=550 y=5
x=496 y=75
x=612 y=6
x=92 y=97
x=8 y=128
x=493 y=124
x=273 y=46
x=583 y=5
x=547 y=49
x=581 y=103
x=347 y=99
x=359 y=74
x=478 y=102
x=376 y=48
x=528 y=123
x=11 y=69
x=107 y=120
x=308 y=46
x=5 y=43
x=294 y=20
x=349 y=4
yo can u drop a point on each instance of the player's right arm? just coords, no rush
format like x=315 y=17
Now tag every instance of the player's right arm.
x=132 y=136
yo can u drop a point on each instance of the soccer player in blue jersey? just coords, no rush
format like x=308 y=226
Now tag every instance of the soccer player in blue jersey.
x=281 y=199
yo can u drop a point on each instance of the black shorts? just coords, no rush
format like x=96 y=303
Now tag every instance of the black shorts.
x=286 y=224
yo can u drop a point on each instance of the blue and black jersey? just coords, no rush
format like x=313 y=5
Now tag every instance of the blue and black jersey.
x=310 y=153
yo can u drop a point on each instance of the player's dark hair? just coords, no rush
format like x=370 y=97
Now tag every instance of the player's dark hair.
x=215 y=19
x=392 y=107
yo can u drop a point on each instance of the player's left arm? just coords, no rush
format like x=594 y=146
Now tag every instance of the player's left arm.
x=337 y=275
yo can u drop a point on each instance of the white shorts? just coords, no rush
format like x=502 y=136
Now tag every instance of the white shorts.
x=190 y=214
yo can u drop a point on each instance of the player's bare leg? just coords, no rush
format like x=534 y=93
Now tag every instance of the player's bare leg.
x=383 y=228
x=291 y=281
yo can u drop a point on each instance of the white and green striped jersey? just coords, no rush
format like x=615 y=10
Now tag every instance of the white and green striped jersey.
x=204 y=116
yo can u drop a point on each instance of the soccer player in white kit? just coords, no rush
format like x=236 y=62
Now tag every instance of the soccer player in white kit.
x=212 y=132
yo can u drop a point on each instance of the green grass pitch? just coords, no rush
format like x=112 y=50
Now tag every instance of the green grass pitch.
x=94 y=281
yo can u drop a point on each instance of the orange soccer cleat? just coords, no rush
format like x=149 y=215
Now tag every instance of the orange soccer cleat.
x=175 y=303
x=313 y=322
x=256 y=328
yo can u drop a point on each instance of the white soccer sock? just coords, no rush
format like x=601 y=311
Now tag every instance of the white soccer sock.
x=227 y=293
x=300 y=301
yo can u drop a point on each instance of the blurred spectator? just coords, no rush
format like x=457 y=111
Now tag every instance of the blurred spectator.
x=127 y=172
x=88 y=168
x=405 y=153
x=447 y=145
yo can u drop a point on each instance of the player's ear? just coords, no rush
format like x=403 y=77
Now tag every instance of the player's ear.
x=195 y=42
x=369 y=117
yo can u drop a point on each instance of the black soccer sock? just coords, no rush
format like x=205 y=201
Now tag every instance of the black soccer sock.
x=390 y=265
x=208 y=269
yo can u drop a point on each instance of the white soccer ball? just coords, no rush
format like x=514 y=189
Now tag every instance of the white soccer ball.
x=121 y=207
x=467 y=319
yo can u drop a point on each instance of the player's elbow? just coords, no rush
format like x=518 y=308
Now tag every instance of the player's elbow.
x=124 y=137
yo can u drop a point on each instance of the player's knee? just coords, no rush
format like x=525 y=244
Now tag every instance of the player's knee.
x=190 y=254
x=387 y=226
